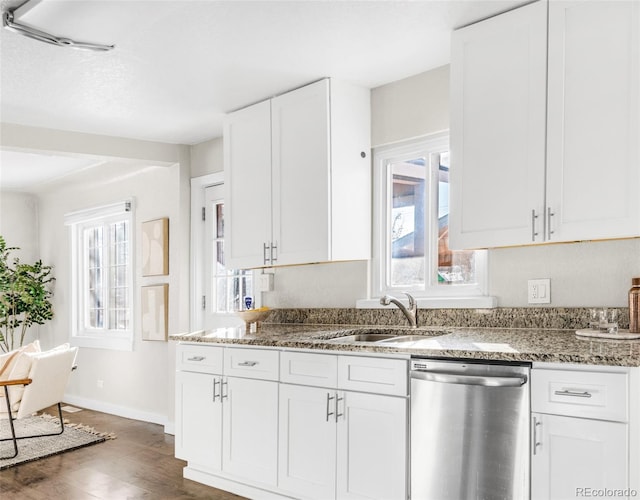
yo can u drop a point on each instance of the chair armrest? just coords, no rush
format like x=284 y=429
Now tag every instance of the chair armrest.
x=22 y=381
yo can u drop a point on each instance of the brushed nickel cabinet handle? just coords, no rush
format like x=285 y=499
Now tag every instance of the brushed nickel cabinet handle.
x=329 y=399
x=338 y=414
x=536 y=443
x=215 y=395
x=534 y=233
x=549 y=215
x=248 y=363
x=196 y=358
x=265 y=259
x=224 y=394
x=574 y=394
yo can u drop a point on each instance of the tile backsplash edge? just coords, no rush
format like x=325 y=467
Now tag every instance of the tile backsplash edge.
x=572 y=318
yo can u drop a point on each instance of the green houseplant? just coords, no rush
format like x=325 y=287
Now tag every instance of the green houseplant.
x=25 y=293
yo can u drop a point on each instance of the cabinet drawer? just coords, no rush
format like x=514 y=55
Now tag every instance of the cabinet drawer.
x=199 y=358
x=320 y=370
x=588 y=394
x=251 y=363
x=382 y=376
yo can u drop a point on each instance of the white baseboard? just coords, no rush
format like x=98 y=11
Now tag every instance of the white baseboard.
x=231 y=486
x=121 y=411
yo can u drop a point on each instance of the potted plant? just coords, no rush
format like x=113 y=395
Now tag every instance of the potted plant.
x=25 y=293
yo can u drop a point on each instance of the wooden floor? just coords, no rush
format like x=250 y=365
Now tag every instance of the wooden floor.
x=139 y=463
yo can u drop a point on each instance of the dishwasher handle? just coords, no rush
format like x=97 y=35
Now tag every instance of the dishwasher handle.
x=457 y=378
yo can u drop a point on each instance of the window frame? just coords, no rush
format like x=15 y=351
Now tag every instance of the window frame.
x=200 y=282
x=100 y=338
x=429 y=294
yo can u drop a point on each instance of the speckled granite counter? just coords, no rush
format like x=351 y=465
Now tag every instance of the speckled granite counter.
x=503 y=344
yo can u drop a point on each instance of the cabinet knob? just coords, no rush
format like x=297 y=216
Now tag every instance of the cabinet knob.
x=363 y=154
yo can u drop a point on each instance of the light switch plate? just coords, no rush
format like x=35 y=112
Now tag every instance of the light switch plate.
x=539 y=291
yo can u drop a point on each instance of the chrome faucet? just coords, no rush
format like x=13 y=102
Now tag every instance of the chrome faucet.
x=411 y=314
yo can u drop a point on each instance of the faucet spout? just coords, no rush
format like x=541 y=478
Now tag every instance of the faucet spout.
x=411 y=313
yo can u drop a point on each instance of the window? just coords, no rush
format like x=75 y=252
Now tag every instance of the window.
x=216 y=290
x=102 y=276
x=411 y=225
x=229 y=287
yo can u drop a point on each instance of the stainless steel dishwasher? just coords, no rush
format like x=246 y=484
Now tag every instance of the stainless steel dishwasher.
x=469 y=431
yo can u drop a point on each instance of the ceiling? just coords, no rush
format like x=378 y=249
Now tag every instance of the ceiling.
x=179 y=66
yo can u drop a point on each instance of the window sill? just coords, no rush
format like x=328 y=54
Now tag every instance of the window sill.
x=481 y=302
x=100 y=342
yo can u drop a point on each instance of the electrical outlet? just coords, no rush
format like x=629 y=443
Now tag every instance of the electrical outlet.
x=539 y=291
x=266 y=282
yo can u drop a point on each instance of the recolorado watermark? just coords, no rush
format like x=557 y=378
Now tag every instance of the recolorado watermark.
x=606 y=493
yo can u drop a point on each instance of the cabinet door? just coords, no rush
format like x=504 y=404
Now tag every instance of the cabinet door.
x=198 y=420
x=307 y=443
x=574 y=455
x=498 y=103
x=593 y=146
x=372 y=446
x=247 y=160
x=301 y=174
x=250 y=429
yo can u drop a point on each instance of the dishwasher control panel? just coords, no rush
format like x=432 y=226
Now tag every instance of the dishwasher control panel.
x=419 y=365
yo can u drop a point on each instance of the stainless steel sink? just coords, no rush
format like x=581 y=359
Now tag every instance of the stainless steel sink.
x=388 y=338
x=406 y=338
x=364 y=337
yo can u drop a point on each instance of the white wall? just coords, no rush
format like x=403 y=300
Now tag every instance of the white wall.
x=134 y=382
x=582 y=274
x=411 y=107
x=137 y=384
x=206 y=158
x=19 y=226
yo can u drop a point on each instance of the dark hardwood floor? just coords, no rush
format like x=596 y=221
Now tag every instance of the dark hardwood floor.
x=139 y=463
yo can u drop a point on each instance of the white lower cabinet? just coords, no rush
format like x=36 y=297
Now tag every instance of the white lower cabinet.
x=250 y=424
x=372 y=447
x=580 y=433
x=343 y=444
x=228 y=426
x=574 y=457
x=198 y=421
x=307 y=444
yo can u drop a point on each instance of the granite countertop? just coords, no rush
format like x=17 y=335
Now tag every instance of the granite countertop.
x=501 y=344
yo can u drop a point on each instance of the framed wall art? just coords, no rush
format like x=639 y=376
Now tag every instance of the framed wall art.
x=155 y=312
x=155 y=247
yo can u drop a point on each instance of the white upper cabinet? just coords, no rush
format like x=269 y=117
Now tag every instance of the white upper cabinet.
x=299 y=177
x=546 y=150
x=247 y=159
x=498 y=95
x=593 y=162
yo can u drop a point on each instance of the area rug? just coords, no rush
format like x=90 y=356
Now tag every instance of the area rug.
x=74 y=436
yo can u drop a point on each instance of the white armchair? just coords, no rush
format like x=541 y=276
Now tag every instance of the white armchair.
x=44 y=386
